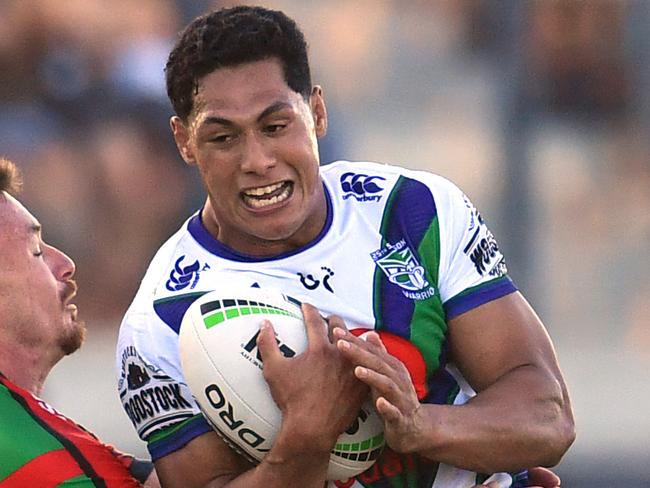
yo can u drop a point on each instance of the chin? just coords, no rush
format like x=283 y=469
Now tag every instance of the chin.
x=72 y=341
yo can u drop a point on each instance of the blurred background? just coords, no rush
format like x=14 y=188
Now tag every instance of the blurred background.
x=539 y=110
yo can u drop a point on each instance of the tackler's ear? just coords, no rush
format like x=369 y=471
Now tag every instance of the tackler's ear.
x=182 y=137
x=318 y=110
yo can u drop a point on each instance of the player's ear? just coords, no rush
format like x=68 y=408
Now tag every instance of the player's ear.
x=182 y=137
x=318 y=110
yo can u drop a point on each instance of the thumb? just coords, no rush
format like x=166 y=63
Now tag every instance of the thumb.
x=268 y=346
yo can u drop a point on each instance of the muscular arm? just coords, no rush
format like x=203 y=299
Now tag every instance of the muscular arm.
x=208 y=462
x=521 y=416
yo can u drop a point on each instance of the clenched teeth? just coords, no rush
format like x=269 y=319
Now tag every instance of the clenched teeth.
x=262 y=190
x=253 y=198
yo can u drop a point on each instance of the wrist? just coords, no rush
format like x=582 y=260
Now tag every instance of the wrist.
x=296 y=440
x=424 y=434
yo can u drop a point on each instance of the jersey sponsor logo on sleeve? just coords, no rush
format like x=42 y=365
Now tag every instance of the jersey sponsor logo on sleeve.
x=400 y=265
x=151 y=399
x=363 y=188
x=483 y=250
x=181 y=277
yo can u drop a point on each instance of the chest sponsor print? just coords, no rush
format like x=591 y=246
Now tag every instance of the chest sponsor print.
x=151 y=399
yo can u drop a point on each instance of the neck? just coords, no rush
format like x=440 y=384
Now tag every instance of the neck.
x=25 y=367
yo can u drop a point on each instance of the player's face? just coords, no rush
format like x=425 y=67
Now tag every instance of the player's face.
x=36 y=286
x=254 y=141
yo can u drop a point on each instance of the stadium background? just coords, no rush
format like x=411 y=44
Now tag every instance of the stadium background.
x=539 y=110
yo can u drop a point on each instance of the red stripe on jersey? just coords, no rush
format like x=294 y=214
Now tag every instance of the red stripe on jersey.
x=98 y=461
x=406 y=352
x=58 y=465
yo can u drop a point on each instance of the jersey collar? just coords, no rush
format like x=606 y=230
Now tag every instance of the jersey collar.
x=198 y=230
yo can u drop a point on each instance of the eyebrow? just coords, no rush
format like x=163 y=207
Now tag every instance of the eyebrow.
x=35 y=228
x=275 y=107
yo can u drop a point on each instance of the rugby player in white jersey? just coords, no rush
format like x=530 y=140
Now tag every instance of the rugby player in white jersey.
x=459 y=366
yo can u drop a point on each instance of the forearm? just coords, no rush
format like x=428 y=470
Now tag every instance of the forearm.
x=522 y=420
x=207 y=462
x=290 y=463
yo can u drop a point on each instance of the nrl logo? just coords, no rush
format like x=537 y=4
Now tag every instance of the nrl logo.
x=402 y=268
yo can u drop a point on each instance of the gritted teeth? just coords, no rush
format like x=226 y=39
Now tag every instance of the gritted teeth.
x=263 y=190
x=277 y=193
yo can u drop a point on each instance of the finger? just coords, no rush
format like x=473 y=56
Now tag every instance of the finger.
x=543 y=477
x=389 y=412
x=361 y=353
x=374 y=345
x=267 y=345
x=334 y=322
x=380 y=384
x=314 y=324
x=374 y=338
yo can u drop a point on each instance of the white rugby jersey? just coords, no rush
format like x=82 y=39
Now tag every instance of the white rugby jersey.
x=401 y=252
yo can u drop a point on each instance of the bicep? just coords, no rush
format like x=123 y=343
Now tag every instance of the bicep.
x=204 y=459
x=497 y=337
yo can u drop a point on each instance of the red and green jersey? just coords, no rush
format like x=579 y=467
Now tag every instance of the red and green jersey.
x=39 y=447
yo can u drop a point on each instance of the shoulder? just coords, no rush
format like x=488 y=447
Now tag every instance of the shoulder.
x=365 y=177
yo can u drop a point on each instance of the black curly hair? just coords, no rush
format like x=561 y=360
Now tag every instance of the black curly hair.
x=230 y=37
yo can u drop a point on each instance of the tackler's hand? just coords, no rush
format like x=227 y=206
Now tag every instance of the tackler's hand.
x=537 y=478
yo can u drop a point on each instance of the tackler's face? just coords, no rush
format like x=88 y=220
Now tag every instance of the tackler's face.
x=36 y=286
x=254 y=141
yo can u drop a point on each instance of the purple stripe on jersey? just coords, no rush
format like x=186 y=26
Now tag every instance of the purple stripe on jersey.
x=171 y=310
x=207 y=240
x=411 y=212
x=194 y=428
x=441 y=384
x=482 y=294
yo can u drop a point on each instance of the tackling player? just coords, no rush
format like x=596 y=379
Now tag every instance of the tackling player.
x=40 y=447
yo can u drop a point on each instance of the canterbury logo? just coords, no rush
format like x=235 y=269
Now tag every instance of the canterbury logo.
x=362 y=187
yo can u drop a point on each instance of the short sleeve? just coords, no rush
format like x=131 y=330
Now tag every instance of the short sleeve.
x=472 y=268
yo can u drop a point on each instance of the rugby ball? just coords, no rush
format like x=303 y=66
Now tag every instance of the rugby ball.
x=223 y=369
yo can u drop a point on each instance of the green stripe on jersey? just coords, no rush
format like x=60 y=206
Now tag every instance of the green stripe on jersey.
x=428 y=325
x=21 y=437
x=81 y=481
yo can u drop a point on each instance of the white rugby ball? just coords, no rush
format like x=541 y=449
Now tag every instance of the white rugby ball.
x=223 y=369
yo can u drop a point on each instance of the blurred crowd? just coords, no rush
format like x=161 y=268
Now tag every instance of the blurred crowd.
x=447 y=86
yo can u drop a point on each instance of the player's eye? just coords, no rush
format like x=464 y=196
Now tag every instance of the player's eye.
x=222 y=139
x=274 y=128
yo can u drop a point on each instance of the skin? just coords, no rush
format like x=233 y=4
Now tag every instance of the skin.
x=38 y=320
x=486 y=434
x=248 y=132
